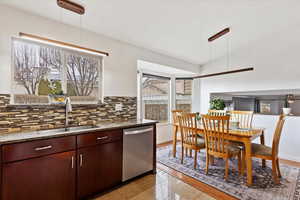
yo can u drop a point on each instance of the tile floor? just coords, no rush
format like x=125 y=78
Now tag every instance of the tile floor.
x=161 y=186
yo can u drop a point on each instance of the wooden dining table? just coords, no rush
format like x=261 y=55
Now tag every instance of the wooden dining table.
x=246 y=136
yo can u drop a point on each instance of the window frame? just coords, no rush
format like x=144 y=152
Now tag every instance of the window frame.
x=65 y=53
x=182 y=78
x=141 y=102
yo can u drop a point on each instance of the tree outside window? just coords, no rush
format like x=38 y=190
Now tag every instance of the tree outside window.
x=41 y=70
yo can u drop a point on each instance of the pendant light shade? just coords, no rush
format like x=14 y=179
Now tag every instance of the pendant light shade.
x=62 y=44
x=71 y=6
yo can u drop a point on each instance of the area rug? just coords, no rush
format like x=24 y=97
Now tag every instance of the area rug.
x=263 y=187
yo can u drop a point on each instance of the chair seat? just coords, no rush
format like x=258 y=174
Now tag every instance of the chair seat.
x=200 y=142
x=259 y=149
x=233 y=149
x=239 y=145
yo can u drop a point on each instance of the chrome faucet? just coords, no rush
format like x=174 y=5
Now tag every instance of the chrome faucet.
x=68 y=109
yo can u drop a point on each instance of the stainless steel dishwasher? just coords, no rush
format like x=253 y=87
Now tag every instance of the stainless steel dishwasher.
x=137 y=151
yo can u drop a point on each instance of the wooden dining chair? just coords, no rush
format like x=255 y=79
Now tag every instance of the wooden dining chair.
x=175 y=114
x=217 y=112
x=215 y=128
x=175 y=123
x=244 y=118
x=271 y=153
x=189 y=135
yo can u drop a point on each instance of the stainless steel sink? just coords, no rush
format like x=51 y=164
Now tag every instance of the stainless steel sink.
x=79 y=128
x=61 y=130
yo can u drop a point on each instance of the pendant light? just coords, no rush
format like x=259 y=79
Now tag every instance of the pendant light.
x=210 y=40
x=74 y=7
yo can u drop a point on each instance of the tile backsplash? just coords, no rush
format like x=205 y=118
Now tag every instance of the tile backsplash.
x=30 y=117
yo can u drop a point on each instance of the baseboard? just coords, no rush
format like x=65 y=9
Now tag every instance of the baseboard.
x=165 y=143
x=289 y=158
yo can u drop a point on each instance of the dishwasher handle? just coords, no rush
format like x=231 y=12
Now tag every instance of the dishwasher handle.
x=139 y=131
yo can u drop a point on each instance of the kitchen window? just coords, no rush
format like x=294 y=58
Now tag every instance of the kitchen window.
x=41 y=70
x=184 y=94
x=156 y=97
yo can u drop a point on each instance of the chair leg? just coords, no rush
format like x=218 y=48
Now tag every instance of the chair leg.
x=212 y=160
x=186 y=152
x=174 y=140
x=274 y=171
x=190 y=152
x=243 y=162
x=240 y=163
x=195 y=160
x=278 y=168
x=226 y=168
x=207 y=163
x=182 y=154
x=263 y=163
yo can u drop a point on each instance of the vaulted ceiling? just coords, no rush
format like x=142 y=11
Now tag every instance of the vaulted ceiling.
x=178 y=28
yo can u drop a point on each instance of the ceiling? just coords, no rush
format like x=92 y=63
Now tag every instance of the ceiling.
x=178 y=28
x=163 y=70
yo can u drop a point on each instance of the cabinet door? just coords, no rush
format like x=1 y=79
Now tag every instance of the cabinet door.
x=99 y=168
x=48 y=178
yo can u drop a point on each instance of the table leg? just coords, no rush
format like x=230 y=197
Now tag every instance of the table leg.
x=262 y=141
x=248 y=161
x=175 y=128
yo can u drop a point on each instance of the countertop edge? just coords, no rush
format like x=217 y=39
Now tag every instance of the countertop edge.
x=74 y=133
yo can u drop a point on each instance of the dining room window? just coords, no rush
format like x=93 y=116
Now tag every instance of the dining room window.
x=40 y=71
x=183 y=94
x=156 y=97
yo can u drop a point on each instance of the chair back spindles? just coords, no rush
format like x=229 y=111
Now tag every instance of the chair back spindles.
x=175 y=114
x=217 y=112
x=277 y=135
x=188 y=128
x=189 y=120
x=215 y=127
x=244 y=118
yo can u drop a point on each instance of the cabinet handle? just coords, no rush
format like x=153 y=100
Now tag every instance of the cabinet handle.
x=81 y=160
x=43 y=148
x=102 y=138
x=72 y=162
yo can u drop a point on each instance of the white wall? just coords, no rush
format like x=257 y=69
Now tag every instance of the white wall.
x=276 y=60
x=120 y=66
x=290 y=136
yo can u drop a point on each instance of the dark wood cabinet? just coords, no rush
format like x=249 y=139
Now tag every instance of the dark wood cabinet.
x=100 y=137
x=62 y=168
x=26 y=150
x=99 y=168
x=49 y=177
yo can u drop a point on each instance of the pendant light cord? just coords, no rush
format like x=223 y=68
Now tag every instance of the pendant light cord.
x=210 y=53
x=61 y=15
x=80 y=30
x=227 y=44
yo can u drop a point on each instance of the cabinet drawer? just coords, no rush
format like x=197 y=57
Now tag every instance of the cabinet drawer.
x=99 y=138
x=25 y=150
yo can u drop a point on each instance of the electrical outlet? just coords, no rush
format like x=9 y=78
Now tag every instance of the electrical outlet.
x=119 y=107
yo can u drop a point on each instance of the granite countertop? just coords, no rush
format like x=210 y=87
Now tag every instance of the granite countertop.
x=7 y=138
